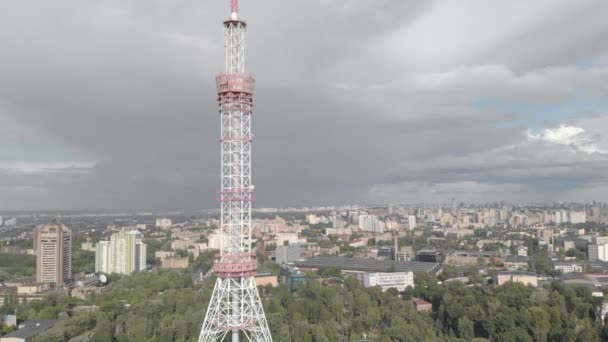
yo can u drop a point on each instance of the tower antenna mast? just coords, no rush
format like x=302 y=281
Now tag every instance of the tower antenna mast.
x=235 y=307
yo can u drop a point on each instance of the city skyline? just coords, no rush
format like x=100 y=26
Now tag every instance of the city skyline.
x=383 y=102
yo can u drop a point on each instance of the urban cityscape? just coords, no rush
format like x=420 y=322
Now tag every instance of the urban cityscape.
x=470 y=206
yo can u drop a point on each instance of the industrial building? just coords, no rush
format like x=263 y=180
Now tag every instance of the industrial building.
x=367 y=265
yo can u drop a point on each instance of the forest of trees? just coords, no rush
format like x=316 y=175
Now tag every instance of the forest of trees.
x=164 y=305
x=14 y=266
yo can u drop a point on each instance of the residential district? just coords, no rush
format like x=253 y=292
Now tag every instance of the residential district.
x=59 y=267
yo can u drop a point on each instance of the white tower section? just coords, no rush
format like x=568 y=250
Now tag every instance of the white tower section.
x=235 y=307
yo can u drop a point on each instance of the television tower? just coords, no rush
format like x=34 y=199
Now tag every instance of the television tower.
x=235 y=307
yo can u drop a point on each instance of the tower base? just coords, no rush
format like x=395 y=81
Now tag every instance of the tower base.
x=235 y=308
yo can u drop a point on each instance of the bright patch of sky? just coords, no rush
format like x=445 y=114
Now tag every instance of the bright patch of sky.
x=538 y=115
x=28 y=148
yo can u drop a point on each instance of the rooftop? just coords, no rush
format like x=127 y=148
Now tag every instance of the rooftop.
x=419 y=301
x=368 y=265
x=32 y=328
x=516 y=258
x=519 y=273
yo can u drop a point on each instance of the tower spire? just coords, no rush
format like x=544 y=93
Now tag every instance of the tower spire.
x=235 y=10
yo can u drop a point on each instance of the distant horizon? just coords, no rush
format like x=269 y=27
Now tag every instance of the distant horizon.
x=178 y=211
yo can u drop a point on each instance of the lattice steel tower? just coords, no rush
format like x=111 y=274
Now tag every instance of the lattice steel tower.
x=235 y=305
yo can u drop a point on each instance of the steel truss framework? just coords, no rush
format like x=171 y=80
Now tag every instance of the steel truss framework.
x=235 y=307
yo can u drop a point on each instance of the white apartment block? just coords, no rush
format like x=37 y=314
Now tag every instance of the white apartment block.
x=125 y=253
x=598 y=252
x=578 y=217
x=398 y=280
x=102 y=257
x=370 y=223
x=163 y=223
x=411 y=221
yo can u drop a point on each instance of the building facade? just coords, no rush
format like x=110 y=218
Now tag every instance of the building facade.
x=370 y=223
x=397 y=280
x=125 y=253
x=526 y=278
x=411 y=222
x=287 y=254
x=53 y=246
x=598 y=252
x=578 y=217
x=163 y=223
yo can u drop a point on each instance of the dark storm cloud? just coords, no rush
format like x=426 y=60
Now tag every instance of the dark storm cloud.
x=130 y=85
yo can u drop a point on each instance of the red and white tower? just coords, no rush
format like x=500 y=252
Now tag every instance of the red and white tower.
x=235 y=307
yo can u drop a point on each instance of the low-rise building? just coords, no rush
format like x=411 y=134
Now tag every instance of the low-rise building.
x=516 y=263
x=466 y=258
x=398 y=280
x=163 y=254
x=163 y=223
x=422 y=305
x=406 y=253
x=20 y=282
x=180 y=244
x=428 y=255
x=88 y=246
x=292 y=276
x=29 y=330
x=266 y=279
x=9 y=320
x=32 y=288
x=526 y=278
x=569 y=266
x=175 y=262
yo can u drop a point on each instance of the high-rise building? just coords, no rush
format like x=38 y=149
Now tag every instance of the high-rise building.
x=578 y=217
x=102 y=257
x=598 y=252
x=370 y=223
x=411 y=221
x=53 y=246
x=140 y=256
x=125 y=253
x=595 y=213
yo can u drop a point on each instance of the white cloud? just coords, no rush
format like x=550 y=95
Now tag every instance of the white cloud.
x=46 y=167
x=575 y=137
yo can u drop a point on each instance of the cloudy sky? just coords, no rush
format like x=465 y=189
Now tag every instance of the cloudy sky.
x=111 y=103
